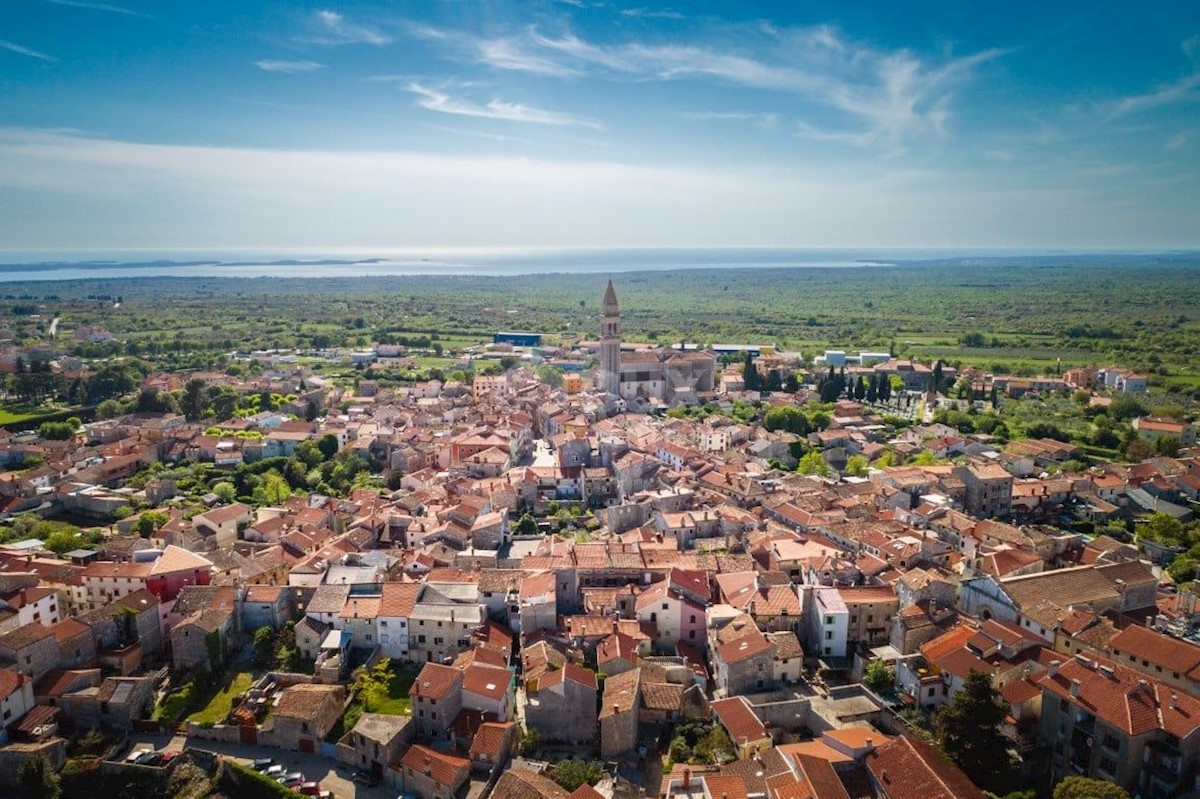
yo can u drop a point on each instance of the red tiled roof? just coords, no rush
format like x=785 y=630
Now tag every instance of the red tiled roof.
x=908 y=768
x=739 y=720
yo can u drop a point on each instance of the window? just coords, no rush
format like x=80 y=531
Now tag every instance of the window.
x=665 y=606
x=829 y=635
x=1111 y=742
x=829 y=619
x=692 y=634
x=1108 y=765
x=383 y=624
x=693 y=621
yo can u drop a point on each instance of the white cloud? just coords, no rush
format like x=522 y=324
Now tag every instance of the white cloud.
x=125 y=194
x=1177 y=141
x=25 y=51
x=882 y=97
x=1191 y=46
x=435 y=100
x=96 y=7
x=333 y=28
x=651 y=13
x=288 y=67
x=1181 y=90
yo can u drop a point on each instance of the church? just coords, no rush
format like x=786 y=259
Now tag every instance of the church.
x=652 y=376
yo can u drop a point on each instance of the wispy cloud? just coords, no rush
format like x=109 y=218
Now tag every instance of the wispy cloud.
x=288 y=67
x=651 y=13
x=763 y=119
x=1191 y=46
x=881 y=97
x=26 y=51
x=333 y=28
x=436 y=100
x=1181 y=90
x=1178 y=141
x=129 y=12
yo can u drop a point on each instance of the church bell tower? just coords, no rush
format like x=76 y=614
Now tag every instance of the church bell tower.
x=609 y=376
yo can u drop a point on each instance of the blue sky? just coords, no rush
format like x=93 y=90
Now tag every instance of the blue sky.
x=180 y=123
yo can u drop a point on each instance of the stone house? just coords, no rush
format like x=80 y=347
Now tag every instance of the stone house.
x=436 y=697
x=202 y=640
x=562 y=706
x=488 y=689
x=30 y=649
x=266 y=606
x=305 y=714
x=76 y=649
x=619 y=714
x=378 y=739
x=492 y=745
x=429 y=774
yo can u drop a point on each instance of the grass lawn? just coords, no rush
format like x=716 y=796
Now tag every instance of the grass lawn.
x=396 y=703
x=8 y=417
x=222 y=702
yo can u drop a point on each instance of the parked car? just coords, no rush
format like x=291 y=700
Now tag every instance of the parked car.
x=310 y=788
x=137 y=754
x=276 y=771
x=167 y=757
x=262 y=764
x=150 y=759
x=366 y=778
x=292 y=780
x=325 y=795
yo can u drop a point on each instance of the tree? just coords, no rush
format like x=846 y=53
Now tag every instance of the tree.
x=879 y=676
x=1087 y=788
x=38 y=779
x=857 y=465
x=1162 y=528
x=57 y=431
x=789 y=418
x=530 y=740
x=571 y=774
x=192 y=403
x=149 y=522
x=750 y=376
x=264 y=647
x=273 y=490
x=226 y=491
x=813 y=463
x=968 y=731
x=373 y=685
x=527 y=525
x=328 y=445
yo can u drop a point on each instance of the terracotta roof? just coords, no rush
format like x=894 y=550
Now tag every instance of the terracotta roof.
x=907 y=768
x=486 y=681
x=662 y=696
x=751 y=645
x=621 y=693
x=1127 y=700
x=520 y=783
x=1172 y=654
x=739 y=720
x=446 y=769
x=25 y=635
x=398 y=599
x=489 y=739
x=177 y=559
x=435 y=680
x=305 y=701
x=10 y=681
x=822 y=780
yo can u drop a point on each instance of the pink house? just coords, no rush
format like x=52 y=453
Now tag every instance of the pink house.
x=678 y=619
x=175 y=568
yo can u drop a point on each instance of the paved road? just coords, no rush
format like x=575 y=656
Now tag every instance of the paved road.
x=314 y=767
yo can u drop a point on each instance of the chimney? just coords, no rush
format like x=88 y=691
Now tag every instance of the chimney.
x=1076 y=687
x=870 y=744
x=616 y=708
x=428 y=767
x=687 y=778
x=1053 y=670
x=1174 y=702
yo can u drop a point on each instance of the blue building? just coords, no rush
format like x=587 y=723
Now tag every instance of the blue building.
x=518 y=339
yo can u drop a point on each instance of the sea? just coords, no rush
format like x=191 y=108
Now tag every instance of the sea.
x=79 y=265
